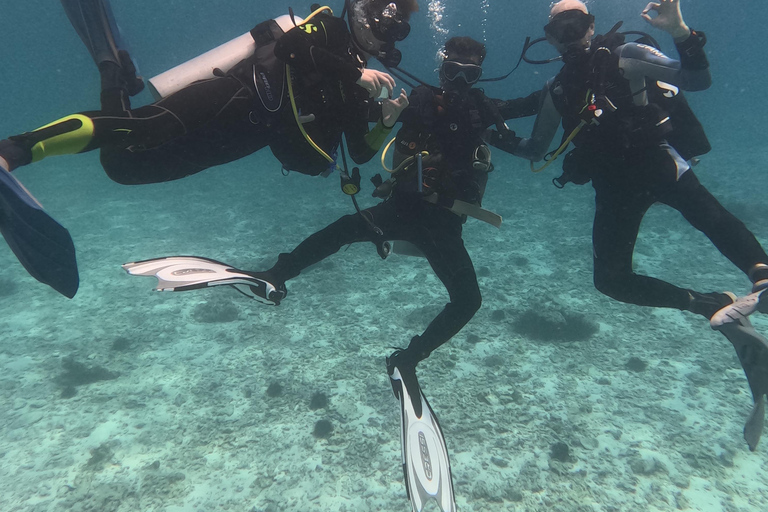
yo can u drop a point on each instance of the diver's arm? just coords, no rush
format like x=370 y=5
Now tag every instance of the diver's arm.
x=310 y=47
x=519 y=107
x=363 y=144
x=536 y=146
x=690 y=73
x=504 y=138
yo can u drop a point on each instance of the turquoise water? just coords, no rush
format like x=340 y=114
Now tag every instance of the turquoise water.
x=186 y=424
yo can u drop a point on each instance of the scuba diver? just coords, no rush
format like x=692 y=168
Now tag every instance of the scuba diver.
x=300 y=86
x=630 y=147
x=441 y=167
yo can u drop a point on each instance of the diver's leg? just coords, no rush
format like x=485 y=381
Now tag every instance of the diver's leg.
x=206 y=124
x=620 y=204
x=69 y=135
x=437 y=233
x=619 y=210
x=731 y=237
x=326 y=242
x=202 y=125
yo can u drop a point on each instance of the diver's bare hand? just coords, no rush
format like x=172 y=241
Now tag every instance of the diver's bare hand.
x=668 y=18
x=391 y=109
x=375 y=81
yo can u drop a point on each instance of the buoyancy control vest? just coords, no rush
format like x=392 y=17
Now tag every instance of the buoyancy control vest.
x=449 y=128
x=624 y=125
x=267 y=78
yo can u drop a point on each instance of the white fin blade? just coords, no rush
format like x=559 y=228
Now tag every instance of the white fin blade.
x=182 y=272
x=425 y=456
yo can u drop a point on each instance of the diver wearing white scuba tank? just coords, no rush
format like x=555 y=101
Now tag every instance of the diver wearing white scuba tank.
x=235 y=112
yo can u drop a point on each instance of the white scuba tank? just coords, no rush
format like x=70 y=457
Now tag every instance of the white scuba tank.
x=223 y=57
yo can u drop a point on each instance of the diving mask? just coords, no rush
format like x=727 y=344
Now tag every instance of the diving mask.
x=387 y=24
x=450 y=70
x=569 y=26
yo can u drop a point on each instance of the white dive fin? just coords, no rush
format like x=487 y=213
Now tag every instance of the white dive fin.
x=426 y=466
x=180 y=273
x=741 y=308
x=752 y=350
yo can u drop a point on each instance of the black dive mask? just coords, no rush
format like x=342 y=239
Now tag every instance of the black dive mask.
x=569 y=26
x=386 y=23
x=452 y=71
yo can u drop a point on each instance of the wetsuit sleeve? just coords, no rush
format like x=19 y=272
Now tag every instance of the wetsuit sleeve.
x=690 y=73
x=502 y=137
x=544 y=129
x=362 y=143
x=319 y=45
x=519 y=107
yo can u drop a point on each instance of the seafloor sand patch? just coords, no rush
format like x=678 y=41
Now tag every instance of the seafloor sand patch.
x=531 y=425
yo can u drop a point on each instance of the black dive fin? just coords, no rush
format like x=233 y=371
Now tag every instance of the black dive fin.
x=752 y=350
x=95 y=24
x=426 y=466
x=40 y=243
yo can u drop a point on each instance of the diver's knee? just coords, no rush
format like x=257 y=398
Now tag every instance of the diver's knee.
x=119 y=176
x=469 y=304
x=606 y=281
x=121 y=168
x=465 y=294
x=475 y=302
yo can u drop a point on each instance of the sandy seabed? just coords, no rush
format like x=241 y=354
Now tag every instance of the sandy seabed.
x=182 y=421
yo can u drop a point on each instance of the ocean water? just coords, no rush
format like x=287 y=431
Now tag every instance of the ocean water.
x=183 y=421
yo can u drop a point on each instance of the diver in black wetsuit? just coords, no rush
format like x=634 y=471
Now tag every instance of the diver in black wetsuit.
x=428 y=213
x=215 y=121
x=622 y=145
x=301 y=89
x=441 y=168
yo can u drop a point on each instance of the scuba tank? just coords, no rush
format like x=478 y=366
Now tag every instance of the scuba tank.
x=223 y=57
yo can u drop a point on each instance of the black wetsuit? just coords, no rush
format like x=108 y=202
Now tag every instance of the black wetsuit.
x=451 y=134
x=632 y=165
x=215 y=121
